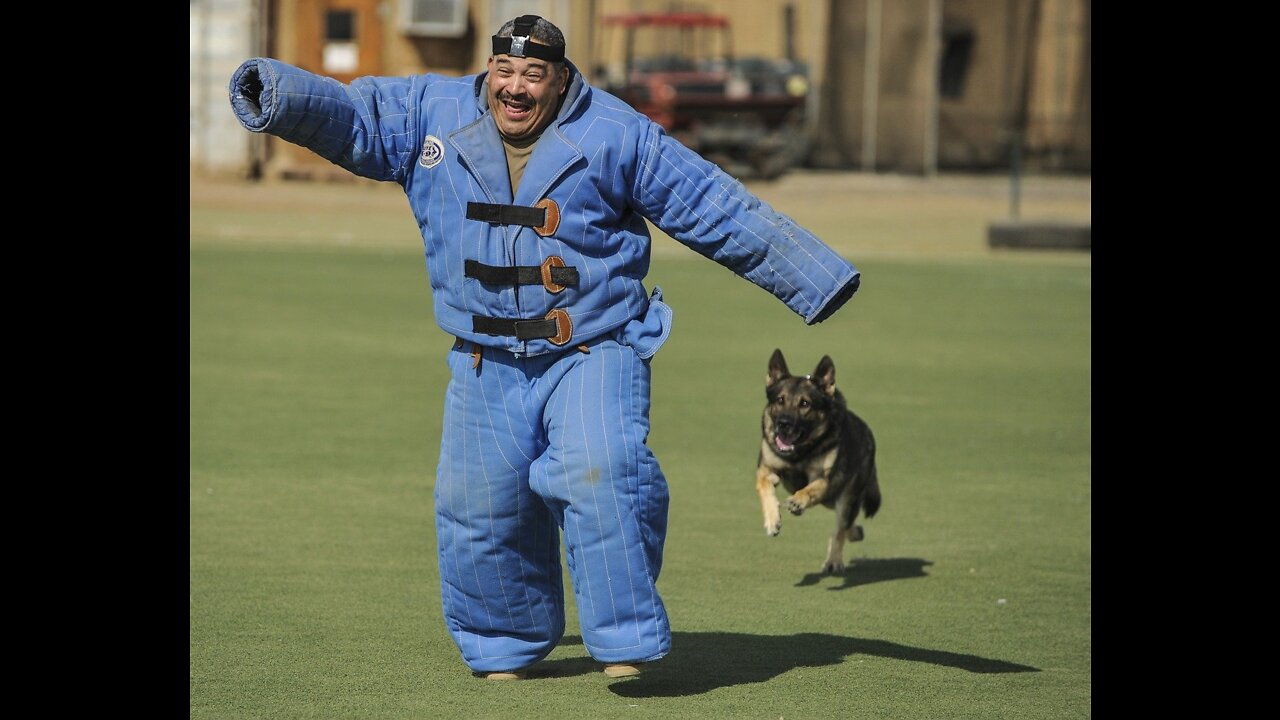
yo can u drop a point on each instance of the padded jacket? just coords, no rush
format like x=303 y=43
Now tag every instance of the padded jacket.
x=607 y=168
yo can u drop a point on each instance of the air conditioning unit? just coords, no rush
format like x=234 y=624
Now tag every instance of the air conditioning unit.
x=435 y=18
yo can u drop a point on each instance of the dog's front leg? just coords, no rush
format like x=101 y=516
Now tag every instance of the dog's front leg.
x=807 y=496
x=766 y=479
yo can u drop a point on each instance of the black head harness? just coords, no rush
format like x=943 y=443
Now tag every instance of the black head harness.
x=519 y=44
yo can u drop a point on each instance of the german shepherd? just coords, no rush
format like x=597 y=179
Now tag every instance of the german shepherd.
x=819 y=451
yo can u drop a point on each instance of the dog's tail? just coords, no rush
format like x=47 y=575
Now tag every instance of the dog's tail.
x=871 y=497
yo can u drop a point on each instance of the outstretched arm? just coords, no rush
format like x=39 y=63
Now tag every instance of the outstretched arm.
x=365 y=127
x=698 y=204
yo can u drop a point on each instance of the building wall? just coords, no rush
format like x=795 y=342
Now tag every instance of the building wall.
x=1022 y=58
x=873 y=110
x=909 y=120
x=1058 y=133
x=759 y=31
x=1028 y=58
x=399 y=53
x=974 y=119
x=907 y=81
x=222 y=36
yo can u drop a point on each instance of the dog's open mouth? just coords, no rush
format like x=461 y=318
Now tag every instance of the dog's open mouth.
x=785 y=443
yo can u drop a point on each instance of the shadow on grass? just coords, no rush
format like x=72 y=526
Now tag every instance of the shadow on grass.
x=703 y=661
x=864 y=571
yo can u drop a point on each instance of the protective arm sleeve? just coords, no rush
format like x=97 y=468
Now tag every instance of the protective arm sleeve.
x=365 y=127
x=698 y=204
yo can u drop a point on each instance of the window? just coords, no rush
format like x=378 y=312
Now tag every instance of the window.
x=956 y=50
x=341 y=53
x=435 y=18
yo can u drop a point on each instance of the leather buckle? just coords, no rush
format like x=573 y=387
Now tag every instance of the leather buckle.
x=564 y=326
x=552 y=219
x=553 y=261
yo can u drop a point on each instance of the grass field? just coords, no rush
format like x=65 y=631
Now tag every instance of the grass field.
x=317 y=380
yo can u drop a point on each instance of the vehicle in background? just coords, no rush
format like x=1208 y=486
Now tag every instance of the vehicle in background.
x=745 y=114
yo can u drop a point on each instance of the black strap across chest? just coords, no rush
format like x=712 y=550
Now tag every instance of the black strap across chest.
x=507 y=214
x=517 y=274
x=521 y=329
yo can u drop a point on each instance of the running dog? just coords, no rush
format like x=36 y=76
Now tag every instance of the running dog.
x=819 y=450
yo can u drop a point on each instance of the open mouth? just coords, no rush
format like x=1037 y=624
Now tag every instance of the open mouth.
x=785 y=443
x=515 y=109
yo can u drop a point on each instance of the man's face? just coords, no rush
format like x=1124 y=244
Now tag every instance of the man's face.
x=524 y=94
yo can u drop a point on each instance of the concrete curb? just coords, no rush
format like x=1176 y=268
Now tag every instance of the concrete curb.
x=1039 y=235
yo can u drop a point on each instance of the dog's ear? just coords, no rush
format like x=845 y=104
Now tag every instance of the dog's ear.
x=777 y=368
x=825 y=375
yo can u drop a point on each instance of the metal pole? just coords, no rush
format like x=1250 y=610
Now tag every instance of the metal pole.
x=931 y=89
x=1013 y=104
x=871 y=87
x=1015 y=176
x=1057 y=119
x=1021 y=118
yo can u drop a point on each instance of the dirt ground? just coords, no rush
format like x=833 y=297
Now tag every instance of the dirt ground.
x=860 y=214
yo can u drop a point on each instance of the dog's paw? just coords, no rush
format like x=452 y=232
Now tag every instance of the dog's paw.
x=773 y=529
x=833 y=567
x=794 y=506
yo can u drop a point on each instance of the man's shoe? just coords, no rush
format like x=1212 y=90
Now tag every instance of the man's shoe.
x=622 y=670
x=504 y=676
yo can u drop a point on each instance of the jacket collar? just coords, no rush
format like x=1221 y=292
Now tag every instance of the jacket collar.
x=480 y=147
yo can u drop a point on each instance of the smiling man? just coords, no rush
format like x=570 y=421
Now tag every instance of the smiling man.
x=531 y=190
x=525 y=92
x=526 y=85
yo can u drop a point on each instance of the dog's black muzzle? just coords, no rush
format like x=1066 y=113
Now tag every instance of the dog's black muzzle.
x=788 y=431
x=784 y=425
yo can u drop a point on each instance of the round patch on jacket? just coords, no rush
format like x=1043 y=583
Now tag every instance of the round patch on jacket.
x=432 y=152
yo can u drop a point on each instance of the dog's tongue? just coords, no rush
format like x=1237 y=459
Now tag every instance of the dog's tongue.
x=783 y=445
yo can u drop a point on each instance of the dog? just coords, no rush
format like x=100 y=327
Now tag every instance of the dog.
x=819 y=450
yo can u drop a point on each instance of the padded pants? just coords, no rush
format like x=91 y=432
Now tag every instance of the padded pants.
x=532 y=447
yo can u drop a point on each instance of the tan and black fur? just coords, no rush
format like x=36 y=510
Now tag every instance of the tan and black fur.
x=819 y=450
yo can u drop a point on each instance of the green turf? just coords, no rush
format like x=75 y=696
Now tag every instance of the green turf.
x=316 y=387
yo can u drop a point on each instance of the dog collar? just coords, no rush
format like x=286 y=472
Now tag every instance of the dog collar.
x=519 y=44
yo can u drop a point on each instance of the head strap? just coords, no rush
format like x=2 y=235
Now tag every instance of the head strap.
x=519 y=44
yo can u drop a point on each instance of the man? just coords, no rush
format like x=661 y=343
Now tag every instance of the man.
x=531 y=189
